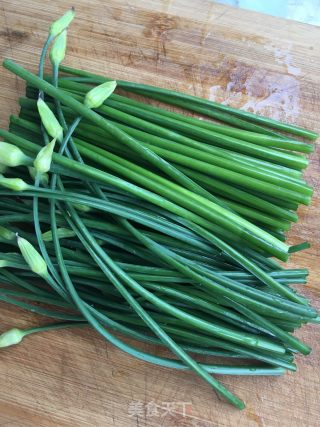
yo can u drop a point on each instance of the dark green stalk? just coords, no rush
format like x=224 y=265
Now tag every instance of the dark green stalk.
x=78 y=107
x=233 y=116
x=194 y=101
x=43 y=58
x=55 y=282
x=285 y=158
x=214 y=342
x=258 y=138
x=237 y=194
x=141 y=118
x=179 y=195
x=276 y=247
x=177 y=151
x=168 y=135
x=148 y=319
x=226 y=248
x=142 y=313
x=290 y=340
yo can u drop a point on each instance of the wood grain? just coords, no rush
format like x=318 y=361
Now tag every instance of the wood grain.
x=69 y=379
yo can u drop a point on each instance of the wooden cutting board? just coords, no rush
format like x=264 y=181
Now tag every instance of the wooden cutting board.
x=266 y=64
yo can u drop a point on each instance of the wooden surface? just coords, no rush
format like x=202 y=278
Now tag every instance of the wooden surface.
x=69 y=379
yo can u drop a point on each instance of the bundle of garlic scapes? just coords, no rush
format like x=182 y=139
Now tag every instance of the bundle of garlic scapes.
x=130 y=218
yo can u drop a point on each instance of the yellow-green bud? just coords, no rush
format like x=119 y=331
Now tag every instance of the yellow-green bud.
x=63 y=233
x=11 y=337
x=15 y=184
x=49 y=121
x=96 y=96
x=6 y=234
x=3 y=168
x=42 y=162
x=12 y=156
x=62 y=23
x=44 y=178
x=32 y=257
x=58 y=50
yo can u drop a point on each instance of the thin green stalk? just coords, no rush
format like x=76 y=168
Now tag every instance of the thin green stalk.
x=43 y=58
x=262 y=139
x=169 y=363
x=141 y=118
x=226 y=248
x=127 y=332
x=192 y=337
x=249 y=265
x=154 y=326
x=285 y=158
x=241 y=118
x=290 y=340
x=276 y=247
x=81 y=109
x=176 y=312
x=147 y=318
x=178 y=152
x=193 y=100
x=185 y=198
x=231 y=174
x=256 y=138
x=168 y=135
x=239 y=195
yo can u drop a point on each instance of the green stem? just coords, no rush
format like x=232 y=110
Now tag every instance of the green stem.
x=257 y=138
x=219 y=369
x=171 y=96
x=269 y=243
x=54 y=326
x=187 y=360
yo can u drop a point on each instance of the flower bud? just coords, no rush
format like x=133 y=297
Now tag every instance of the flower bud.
x=11 y=337
x=32 y=257
x=63 y=233
x=96 y=96
x=62 y=23
x=12 y=156
x=58 y=50
x=42 y=162
x=44 y=178
x=6 y=234
x=49 y=121
x=15 y=184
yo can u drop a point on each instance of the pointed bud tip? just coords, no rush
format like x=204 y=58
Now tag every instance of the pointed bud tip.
x=62 y=23
x=99 y=94
x=12 y=156
x=11 y=337
x=49 y=120
x=42 y=162
x=14 y=184
x=32 y=257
